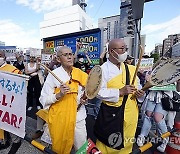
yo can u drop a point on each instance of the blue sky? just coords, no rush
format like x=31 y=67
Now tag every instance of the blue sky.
x=19 y=19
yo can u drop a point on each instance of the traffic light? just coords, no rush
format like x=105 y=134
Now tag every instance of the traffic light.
x=130 y=32
x=130 y=22
x=130 y=27
x=137 y=8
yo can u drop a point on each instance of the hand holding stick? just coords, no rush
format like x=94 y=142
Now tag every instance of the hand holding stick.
x=138 y=65
x=51 y=72
x=83 y=100
x=137 y=68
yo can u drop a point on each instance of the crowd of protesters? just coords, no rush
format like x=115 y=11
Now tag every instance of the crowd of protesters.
x=69 y=129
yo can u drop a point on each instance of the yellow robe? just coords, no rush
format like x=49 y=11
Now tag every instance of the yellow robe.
x=12 y=69
x=130 y=114
x=62 y=115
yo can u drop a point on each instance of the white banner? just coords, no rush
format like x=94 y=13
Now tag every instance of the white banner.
x=46 y=58
x=13 y=93
x=146 y=64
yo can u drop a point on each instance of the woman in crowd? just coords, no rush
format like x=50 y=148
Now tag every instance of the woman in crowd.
x=34 y=85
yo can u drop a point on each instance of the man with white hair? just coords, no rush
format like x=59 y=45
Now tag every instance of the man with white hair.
x=60 y=99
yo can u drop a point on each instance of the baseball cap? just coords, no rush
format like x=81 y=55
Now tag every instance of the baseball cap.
x=129 y=57
x=80 y=56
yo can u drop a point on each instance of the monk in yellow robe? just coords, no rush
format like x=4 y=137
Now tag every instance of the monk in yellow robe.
x=116 y=123
x=61 y=101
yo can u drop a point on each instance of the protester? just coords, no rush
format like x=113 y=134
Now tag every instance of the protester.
x=129 y=60
x=34 y=85
x=154 y=111
x=54 y=63
x=4 y=137
x=115 y=109
x=172 y=114
x=19 y=63
x=92 y=109
x=103 y=57
x=81 y=64
x=61 y=101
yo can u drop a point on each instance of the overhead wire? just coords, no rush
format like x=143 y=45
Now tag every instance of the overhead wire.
x=99 y=8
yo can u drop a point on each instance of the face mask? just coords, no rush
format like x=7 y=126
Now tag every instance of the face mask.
x=1 y=61
x=81 y=60
x=121 y=57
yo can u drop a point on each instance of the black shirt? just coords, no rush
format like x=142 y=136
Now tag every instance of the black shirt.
x=19 y=66
x=83 y=66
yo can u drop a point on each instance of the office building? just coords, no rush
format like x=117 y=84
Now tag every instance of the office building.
x=109 y=28
x=158 y=49
x=67 y=20
x=169 y=42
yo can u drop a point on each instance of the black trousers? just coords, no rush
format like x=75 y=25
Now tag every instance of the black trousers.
x=90 y=121
x=34 y=91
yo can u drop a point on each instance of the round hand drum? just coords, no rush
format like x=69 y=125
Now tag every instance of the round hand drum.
x=93 y=82
x=165 y=73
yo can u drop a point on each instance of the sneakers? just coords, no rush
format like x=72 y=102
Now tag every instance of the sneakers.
x=38 y=107
x=140 y=140
x=29 y=108
x=4 y=144
x=162 y=147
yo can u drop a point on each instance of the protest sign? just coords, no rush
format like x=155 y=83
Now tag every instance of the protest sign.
x=46 y=58
x=145 y=69
x=13 y=94
x=145 y=65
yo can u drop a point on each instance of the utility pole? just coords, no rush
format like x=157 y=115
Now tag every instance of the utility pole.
x=137 y=42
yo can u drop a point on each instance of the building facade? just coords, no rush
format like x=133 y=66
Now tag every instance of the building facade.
x=158 y=49
x=169 y=42
x=81 y=3
x=2 y=43
x=67 y=20
x=130 y=43
x=176 y=50
x=109 y=28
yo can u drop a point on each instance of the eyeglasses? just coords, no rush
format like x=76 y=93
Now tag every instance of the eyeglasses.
x=66 y=54
x=125 y=49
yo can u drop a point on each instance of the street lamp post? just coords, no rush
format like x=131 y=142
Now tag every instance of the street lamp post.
x=102 y=38
x=137 y=42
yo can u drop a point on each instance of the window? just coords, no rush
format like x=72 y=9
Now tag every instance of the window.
x=116 y=29
x=108 y=30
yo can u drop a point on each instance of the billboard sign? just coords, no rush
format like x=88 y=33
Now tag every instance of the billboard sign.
x=90 y=37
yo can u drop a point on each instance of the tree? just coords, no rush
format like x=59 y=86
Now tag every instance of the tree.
x=156 y=57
